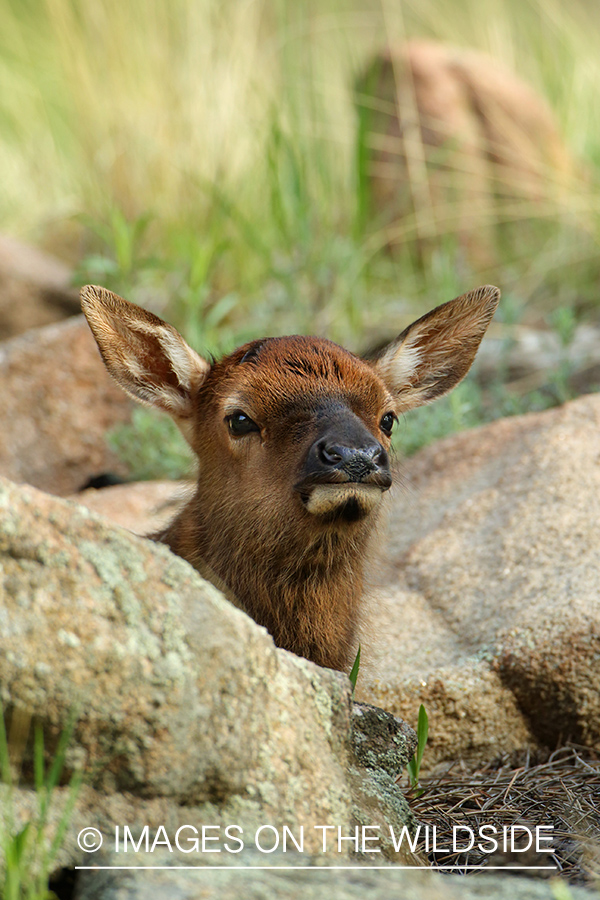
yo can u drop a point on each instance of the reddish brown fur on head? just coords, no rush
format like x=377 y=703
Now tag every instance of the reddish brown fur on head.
x=292 y=437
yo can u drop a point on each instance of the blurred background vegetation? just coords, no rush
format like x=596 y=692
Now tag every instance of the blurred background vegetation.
x=203 y=158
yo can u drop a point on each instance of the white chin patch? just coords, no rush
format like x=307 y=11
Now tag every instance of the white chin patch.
x=327 y=498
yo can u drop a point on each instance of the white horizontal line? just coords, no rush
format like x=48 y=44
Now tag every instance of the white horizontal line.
x=345 y=868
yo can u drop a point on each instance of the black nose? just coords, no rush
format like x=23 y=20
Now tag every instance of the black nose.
x=346 y=451
x=356 y=462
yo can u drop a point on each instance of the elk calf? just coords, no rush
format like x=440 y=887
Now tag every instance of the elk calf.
x=293 y=437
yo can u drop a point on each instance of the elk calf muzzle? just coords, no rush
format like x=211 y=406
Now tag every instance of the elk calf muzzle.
x=345 y=472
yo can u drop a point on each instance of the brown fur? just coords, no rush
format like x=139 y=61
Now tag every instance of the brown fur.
x=282 y=567
x=248 y=527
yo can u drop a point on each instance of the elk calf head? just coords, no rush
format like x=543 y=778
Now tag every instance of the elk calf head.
x=292 y=436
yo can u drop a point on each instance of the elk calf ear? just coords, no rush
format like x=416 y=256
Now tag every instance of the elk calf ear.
x=145 y=355
x=435 y=353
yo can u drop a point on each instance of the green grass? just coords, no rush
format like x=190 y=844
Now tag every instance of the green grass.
x=29 y=848
x=152 y=447
x=205 y=158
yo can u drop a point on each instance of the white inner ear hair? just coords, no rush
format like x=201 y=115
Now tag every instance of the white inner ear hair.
x=399 y=365
x=180 y=356
x=187 y=365
x=165 y=397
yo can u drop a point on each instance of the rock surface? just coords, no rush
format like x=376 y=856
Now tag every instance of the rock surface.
x=283 y=884
x=56 y=404
x=186 y=711
x=490 y=615
x=143 y=507
x=35 y=288
x=188 y=715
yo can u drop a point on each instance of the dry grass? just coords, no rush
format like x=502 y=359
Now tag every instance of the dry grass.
x=149 y=106
x=563 y=792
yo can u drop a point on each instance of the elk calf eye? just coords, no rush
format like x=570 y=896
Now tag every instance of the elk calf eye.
x=240 y=424
x=387 y=423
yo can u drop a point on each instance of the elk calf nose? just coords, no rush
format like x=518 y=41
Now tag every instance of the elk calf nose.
x=356 y=462
x=345 y=474
x=345 y=451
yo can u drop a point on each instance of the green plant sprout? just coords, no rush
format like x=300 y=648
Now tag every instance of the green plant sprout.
x=354 y=670
x=414 y=765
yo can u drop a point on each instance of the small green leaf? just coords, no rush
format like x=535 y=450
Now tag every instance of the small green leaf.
x=15 y=848
x=354 y=671
x=414 y=765
x=422 y=734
